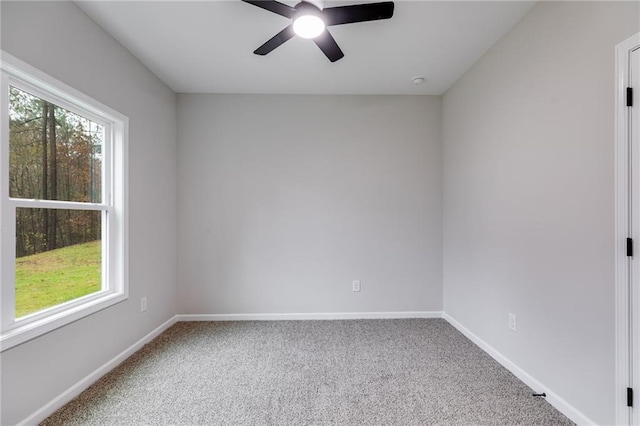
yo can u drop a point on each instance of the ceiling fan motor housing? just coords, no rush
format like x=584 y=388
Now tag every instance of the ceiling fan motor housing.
x=319 y=4
x=307 y=8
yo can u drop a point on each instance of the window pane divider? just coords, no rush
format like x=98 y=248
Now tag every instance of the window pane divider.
x=54 y=204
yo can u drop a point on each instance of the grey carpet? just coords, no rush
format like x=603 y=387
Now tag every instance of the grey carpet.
x=359 y=372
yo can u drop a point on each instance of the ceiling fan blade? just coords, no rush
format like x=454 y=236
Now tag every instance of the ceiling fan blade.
x=328 y=45
x=273 y=6
x=275 y=41
x=357 y=13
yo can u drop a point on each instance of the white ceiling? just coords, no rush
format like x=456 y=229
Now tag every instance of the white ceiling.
x=207 y=46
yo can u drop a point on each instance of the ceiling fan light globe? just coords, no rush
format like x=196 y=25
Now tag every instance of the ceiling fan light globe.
x=308 y=26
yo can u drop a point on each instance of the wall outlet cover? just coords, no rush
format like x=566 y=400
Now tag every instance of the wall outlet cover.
x=513 y=325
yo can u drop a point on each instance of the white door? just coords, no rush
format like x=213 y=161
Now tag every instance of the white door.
x=634 y=284
x=628 y=232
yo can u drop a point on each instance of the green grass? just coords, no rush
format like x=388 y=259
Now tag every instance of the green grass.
x=47 y=279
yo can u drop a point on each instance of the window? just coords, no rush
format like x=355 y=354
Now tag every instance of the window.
x=63 y=241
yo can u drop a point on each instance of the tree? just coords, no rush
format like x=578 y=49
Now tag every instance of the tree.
x=45 y=168
x=53 y=178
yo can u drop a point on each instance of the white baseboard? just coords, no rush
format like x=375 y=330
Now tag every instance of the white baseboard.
x=311 y=316
x=552 y=398
x=83 y=384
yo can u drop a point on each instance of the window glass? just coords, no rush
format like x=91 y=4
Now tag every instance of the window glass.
x=54 y=154
x=58 y=257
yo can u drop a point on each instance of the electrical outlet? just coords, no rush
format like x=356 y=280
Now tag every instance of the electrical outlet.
x=143 y=304
x=513 y=325
x=355 y=285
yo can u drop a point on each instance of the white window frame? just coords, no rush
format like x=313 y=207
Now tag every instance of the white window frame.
x=115 y=276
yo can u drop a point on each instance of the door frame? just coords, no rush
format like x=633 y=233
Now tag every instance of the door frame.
x=627 y=291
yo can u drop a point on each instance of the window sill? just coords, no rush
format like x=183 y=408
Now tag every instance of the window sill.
x=22 y=333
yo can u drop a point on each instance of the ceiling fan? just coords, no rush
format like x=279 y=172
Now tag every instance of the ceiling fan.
x=309 y=20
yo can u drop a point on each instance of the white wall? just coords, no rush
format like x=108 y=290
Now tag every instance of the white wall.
x=284 y=200
x=62 y=41
x=529 y=197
